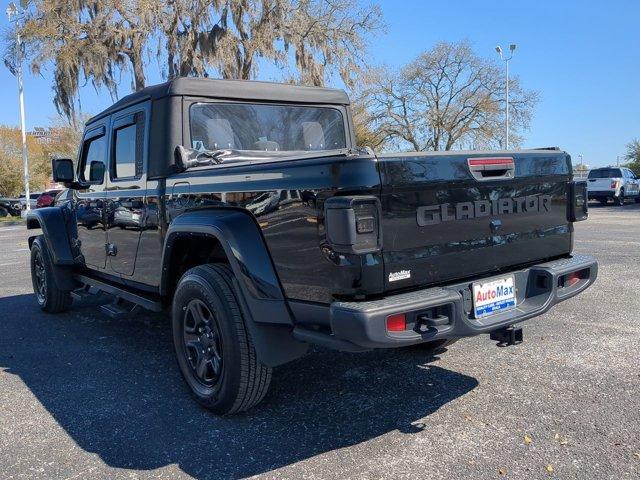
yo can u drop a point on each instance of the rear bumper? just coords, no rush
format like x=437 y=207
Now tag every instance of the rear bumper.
x=601 y=194
x=538 y=288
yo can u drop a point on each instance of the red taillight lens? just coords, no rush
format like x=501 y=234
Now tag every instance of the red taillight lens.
x=397 y=322
x=614 y=184
x=572 y=279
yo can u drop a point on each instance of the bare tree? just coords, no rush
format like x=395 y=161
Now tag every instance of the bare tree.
x=96 y=40
x=633 y=155
x=446 y=98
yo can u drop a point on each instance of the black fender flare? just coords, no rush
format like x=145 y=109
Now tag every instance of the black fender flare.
x=268 y=317
x=54 y=222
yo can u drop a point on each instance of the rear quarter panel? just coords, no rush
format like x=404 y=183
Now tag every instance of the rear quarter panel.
x=287 y=200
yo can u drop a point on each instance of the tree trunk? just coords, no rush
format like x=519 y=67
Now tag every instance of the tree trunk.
x=245 y=72
x=135 y=57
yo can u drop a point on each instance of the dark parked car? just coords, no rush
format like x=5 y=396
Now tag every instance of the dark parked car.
x=9 y=206
x=262 y=228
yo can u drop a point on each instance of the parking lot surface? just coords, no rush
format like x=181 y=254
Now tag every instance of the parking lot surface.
x=86 y=396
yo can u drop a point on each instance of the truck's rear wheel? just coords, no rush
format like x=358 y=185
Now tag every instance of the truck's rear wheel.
x=619 y=200
x=214 y=349
x=50 y=298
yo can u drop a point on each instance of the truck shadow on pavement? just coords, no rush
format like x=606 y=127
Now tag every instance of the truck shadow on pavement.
x=114 y=387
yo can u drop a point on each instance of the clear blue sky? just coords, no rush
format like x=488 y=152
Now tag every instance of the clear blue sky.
x=583 y=57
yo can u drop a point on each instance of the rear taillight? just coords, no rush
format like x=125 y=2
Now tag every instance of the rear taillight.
x=614 y=184
x=578 y=204
x=397 y=322
x=352 y=224
x=571 y=279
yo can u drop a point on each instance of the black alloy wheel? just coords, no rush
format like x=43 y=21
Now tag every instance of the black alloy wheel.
x=39 y=277
x=202 y=343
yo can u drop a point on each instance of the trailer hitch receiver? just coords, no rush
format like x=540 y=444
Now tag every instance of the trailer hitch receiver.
x=507 y=336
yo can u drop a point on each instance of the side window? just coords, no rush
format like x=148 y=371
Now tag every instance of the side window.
x=128 y=140
x=93 y=159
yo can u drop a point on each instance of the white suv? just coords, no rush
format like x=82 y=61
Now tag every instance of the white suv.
x=616 y=183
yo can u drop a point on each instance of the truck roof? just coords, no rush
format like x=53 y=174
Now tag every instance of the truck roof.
x=232 y=89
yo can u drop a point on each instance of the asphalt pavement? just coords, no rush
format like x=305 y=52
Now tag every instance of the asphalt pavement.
x=86 y=396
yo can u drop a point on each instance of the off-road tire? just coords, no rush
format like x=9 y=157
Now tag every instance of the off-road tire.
x=50 y=298
x=619 y=200
x=243 y=381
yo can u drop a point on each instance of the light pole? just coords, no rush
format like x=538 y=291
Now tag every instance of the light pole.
x=512 y=48
x=15 y=15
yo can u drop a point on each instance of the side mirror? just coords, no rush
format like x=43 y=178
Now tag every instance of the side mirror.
x=62 y=170
x=96 y=172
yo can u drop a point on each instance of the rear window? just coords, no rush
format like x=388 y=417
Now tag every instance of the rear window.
x=259 y=127
x=605 y=173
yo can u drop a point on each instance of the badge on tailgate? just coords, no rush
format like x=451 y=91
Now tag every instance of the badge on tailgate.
x=493 y=296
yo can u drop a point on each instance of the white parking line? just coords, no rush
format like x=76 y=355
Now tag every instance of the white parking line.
x=10 y=264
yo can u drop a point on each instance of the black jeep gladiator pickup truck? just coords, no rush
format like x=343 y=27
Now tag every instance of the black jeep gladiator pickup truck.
x=246 y=210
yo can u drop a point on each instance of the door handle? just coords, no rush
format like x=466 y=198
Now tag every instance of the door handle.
x=112 y=250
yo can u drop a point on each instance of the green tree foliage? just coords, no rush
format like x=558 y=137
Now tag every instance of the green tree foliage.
x=633 y=156
x=448 y=97
x=96 y=40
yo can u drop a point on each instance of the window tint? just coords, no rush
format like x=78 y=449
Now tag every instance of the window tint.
x=605 y=173
x=266 y=127
x=125 y=151
x=93 y=151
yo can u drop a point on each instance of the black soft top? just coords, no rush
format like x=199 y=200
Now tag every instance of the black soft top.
x=232 y=89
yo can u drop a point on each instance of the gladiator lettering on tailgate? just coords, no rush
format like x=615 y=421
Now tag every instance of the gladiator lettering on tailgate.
x=493 y=296
x=447 y=212
x=401 y=275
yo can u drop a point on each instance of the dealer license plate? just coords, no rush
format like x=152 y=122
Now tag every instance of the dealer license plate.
x=493 y=296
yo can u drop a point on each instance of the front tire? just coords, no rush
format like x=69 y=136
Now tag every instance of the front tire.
x=215 y=352
x=51 y=299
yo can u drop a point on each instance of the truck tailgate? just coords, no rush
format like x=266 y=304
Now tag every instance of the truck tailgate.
x=444 y=220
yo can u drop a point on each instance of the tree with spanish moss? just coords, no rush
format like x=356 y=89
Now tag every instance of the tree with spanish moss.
x=96 y=41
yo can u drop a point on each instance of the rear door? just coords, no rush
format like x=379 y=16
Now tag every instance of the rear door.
x=90 y=211
x=446 y=217
x=126 y=189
